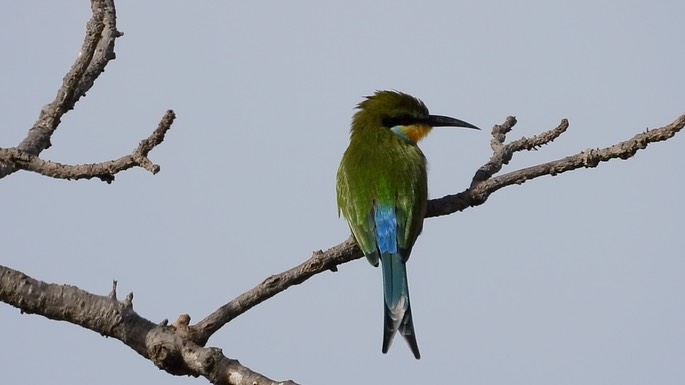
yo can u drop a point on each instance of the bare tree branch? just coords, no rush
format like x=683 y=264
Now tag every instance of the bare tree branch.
x=319 y=262
x=97 y=50
x=482 y=186
x=105 y=171
x=168 y=347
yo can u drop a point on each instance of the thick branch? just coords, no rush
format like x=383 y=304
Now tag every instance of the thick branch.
x=482 y=186
x=166 y=346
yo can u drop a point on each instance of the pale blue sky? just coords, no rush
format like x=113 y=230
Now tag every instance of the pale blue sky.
x=576 y=279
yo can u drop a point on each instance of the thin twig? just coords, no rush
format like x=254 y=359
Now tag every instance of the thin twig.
x=104 y=170
x=319 y=262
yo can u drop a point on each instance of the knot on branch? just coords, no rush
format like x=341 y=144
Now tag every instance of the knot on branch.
x=209 y=357
x=182 y=322
x=590 y=158
x=168 y=357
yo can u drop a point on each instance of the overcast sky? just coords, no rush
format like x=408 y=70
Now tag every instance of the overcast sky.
x=574 y=279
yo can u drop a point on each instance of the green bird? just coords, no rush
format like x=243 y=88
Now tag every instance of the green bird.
x=382 y=192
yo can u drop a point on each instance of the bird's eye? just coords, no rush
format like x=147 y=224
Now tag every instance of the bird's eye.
x=399 y=120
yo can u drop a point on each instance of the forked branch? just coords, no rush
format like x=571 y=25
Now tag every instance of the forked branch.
x=97 y=50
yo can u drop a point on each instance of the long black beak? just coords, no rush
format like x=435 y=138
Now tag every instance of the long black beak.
x=446 y=121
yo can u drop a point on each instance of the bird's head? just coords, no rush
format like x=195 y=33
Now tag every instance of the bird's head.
x=402 y=114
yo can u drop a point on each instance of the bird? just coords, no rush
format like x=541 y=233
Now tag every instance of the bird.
x=382 y=192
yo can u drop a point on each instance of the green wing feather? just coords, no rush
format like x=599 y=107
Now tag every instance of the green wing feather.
x=392 y=174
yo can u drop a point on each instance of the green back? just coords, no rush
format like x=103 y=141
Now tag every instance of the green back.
x=380 y=167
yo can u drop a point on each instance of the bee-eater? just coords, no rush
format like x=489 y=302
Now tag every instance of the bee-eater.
x=382 y=191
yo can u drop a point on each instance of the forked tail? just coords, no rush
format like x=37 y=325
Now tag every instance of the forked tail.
x=396 y=301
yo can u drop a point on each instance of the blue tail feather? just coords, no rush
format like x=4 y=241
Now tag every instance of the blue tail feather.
x=397 y=309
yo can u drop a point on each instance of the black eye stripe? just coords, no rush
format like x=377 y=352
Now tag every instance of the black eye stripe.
x=400 y=120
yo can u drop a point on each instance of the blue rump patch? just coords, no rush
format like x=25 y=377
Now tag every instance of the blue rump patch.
x=386 y=228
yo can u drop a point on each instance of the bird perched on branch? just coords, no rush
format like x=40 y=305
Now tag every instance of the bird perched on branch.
x=382 y=192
